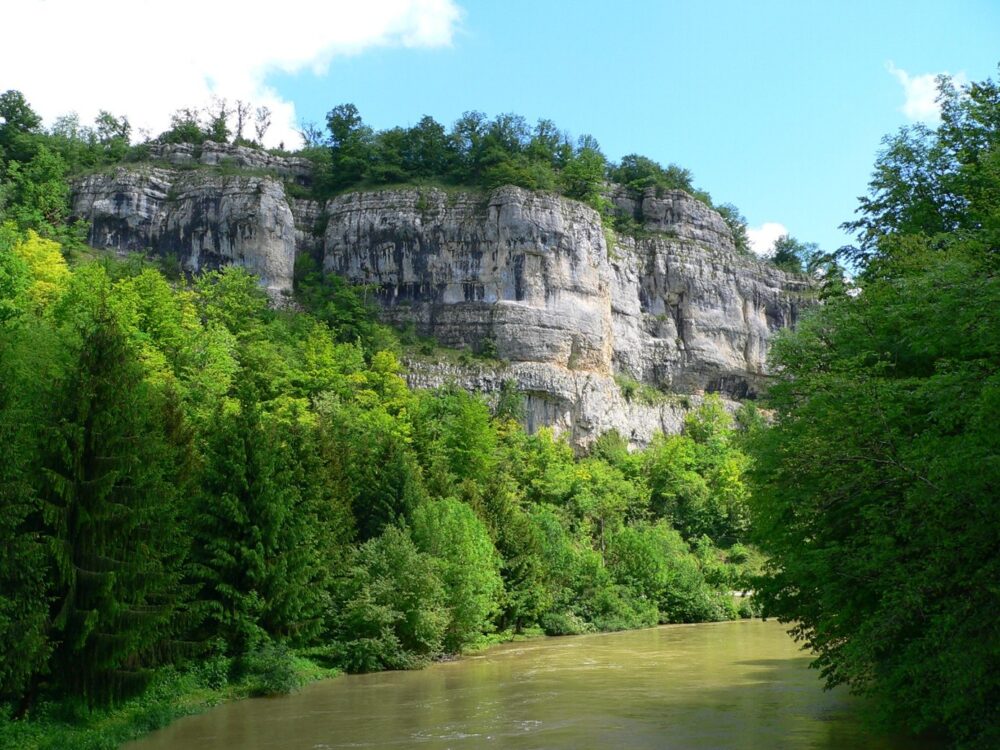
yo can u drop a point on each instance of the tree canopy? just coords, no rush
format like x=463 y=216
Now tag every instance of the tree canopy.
x=196 y=478
x=876 y=487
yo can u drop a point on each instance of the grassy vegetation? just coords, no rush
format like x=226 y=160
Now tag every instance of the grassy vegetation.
x=643 y=393
x=426 y=349
x=173 y=692
x=417 y=183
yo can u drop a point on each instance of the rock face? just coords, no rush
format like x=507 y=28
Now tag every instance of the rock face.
x=689 y=317
x=674 y=213
x=532 y=278
x=577 y=403
x=522 y=272
x=567 y=310
x=211 y=153
x=205 y=220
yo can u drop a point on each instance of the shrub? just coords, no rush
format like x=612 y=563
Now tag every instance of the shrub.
x=748 y=607
x=213 y=672
x=470 y=566
x=687 y=597
x=270 y=670
x=634 y=390
x=622 y=608
x=565 y=623
x=390 y=609
x=629 y=387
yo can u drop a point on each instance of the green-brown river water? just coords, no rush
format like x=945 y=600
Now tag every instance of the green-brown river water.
x=721 y=685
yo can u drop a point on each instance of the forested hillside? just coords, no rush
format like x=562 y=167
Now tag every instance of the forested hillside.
x=203 y=495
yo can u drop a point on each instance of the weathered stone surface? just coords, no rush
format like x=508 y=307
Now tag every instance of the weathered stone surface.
x=175 y=154
x=528 y=277
x=525 y=271
x=211 y=153
x=206 y=220
x=678 y=214
x=579 y=404
x=292 y=167
x=532 y=274
x=309 y=225
x=675 y=214
x=688 y=317
x=125 y=207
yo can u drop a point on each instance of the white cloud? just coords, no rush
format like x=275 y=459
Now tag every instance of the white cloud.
x=762 y=238
x=146 y=60
x=921 y=93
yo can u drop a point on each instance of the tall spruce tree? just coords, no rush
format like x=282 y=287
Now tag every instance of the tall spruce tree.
x=379 y=471
x=109 y=483
x=24 y=562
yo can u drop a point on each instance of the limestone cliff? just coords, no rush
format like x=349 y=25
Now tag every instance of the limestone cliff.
x=206 y=220
x=527 y=272
x=532 y=278
x=563 y=304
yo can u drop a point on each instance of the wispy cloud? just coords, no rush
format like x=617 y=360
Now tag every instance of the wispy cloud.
x=146 y=60
x=762 y=238
x=921 y=93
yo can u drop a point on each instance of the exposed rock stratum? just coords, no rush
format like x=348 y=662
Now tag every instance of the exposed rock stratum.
x=564 y=304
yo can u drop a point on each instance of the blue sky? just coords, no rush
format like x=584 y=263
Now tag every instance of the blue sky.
x=777 y=107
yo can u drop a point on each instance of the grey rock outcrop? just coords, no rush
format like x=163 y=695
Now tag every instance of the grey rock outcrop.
x=524 y=271
x=675 y=214
x=206 y=220
x=532 y=279
x=689 y=317
x=579 y=404
x=212 y=154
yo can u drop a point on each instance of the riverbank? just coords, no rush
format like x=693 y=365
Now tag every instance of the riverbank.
x=175 y=693
x=172 y=693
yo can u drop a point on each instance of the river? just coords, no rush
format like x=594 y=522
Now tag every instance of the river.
x=718 y=685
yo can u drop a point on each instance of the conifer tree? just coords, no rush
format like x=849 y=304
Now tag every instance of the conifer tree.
x=24 y=569
x=256 y=552
x=109 y=483
x=380 y=474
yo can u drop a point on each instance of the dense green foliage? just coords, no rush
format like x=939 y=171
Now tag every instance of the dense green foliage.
x=197 y=488
x=877 y=486
x=489 y=153
x=390 y=610
x=194 y=478
x=35 y=163
x=796 y=256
